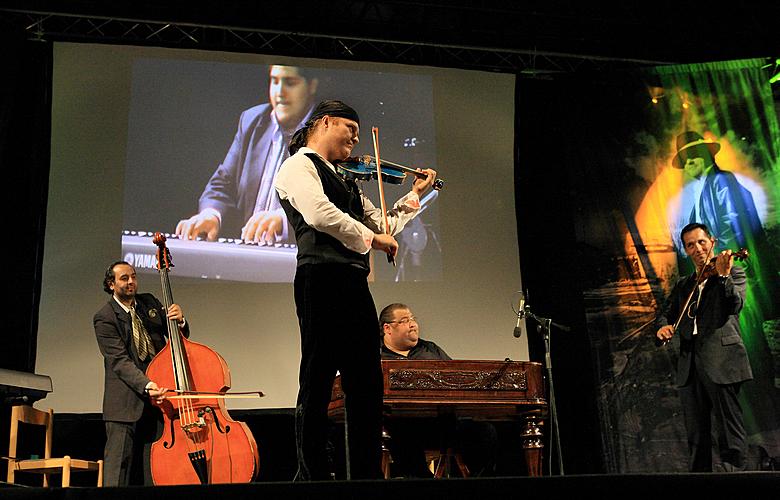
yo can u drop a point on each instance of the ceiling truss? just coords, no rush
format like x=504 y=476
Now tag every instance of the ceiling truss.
x=530 y=63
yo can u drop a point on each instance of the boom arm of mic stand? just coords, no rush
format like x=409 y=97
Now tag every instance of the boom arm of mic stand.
x=546 y=322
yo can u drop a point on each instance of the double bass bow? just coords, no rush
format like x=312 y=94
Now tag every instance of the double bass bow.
x=200 y=443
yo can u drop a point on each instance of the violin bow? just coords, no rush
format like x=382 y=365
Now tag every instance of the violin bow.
x=383 y=206
x=684 y=309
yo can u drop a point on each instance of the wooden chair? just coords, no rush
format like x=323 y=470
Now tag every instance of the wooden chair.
x=46 y=465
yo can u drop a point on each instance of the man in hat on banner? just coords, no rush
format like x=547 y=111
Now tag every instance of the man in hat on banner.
x=713 y=196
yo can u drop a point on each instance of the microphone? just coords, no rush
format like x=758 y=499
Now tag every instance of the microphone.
x=520 y=315
x=16 y=400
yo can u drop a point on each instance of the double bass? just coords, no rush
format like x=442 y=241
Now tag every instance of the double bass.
x=200 y=443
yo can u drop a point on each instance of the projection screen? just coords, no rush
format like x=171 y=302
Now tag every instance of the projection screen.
x=138 y=132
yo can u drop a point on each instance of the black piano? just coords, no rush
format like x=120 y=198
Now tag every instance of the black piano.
x=23 y=387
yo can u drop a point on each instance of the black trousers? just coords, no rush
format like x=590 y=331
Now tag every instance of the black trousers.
x=339 y=332
x=704 y=402
x=128 y=447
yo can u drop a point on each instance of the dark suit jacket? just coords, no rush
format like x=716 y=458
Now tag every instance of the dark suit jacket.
x=125 y=380
x=717 y=348
x=233 y=188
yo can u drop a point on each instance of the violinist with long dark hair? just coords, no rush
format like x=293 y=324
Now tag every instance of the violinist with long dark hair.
x=712 y=362
x=335 y=228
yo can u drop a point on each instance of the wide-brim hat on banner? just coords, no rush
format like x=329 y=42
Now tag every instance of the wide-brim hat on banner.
x=688 y=140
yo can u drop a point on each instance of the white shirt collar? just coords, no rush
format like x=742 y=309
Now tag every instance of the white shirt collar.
x=124 y=307
x=305 y=150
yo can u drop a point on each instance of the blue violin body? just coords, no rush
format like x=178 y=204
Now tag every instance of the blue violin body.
x=364 y=168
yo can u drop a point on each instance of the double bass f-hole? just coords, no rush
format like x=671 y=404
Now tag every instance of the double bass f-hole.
x=210 y=411
x=201 y=422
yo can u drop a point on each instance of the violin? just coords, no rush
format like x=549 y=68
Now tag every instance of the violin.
x=709 y=268
x=707 y=271
x=364 y=168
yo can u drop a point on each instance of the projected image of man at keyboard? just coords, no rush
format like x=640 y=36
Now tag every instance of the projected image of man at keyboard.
x=207 y=183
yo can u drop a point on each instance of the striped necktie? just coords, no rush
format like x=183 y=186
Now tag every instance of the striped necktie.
x=141 y=339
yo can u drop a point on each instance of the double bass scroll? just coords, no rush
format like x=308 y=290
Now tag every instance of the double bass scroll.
x=200 y=442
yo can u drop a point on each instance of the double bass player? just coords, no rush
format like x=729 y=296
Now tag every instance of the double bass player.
x=130 y=328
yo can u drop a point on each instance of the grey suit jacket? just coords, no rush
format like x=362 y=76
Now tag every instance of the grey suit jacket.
x=125 y=380
x=717 y=348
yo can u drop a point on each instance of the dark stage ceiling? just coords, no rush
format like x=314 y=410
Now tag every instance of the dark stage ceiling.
x=528 y=38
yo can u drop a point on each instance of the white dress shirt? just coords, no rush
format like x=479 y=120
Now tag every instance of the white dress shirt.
x=299 y=183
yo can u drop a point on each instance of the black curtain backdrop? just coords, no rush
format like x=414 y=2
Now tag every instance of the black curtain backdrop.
x=25 y=122
x=548 y=166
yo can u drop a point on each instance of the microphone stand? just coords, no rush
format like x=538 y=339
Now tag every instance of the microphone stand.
x=543 y=326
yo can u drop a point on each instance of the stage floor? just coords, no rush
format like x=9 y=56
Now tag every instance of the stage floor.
x=633 y=486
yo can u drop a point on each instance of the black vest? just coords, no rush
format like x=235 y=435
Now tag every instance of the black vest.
x=316 y=247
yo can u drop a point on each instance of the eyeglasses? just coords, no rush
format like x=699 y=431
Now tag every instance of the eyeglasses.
x=405 y=321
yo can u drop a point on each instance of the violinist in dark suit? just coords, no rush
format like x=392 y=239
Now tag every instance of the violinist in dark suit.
x=712 y=363
x=130 y=328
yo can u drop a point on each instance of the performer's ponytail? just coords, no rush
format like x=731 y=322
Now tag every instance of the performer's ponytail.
x=299 y=139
